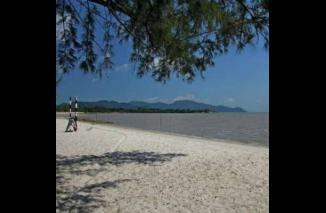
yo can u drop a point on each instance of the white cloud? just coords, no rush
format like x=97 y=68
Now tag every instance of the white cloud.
x=185 y=97
x=157 y=61
x=230 y=100
x=121 y=68
x=153 y=99
x=156 y=99
x=171 y=100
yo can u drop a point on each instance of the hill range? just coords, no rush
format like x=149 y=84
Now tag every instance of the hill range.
x=177 y=105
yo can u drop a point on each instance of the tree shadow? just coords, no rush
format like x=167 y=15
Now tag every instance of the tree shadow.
x=84 y=199
x=116 y=158
x=88 y=197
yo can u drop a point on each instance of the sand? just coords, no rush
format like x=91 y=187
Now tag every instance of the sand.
x=106 y=168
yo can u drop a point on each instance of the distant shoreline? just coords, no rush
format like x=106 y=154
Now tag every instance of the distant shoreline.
x=146 y=111
x=141 y=106
x=84 y=118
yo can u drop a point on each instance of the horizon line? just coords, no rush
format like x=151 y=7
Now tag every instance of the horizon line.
x=163 y=103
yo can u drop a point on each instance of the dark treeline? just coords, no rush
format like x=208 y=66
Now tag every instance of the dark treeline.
x=139 y=110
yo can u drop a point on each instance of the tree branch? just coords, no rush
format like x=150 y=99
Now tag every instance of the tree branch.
x=146 y=25
x=81 y=20
x=113 y=5
x=64 y=29
x=246 y=8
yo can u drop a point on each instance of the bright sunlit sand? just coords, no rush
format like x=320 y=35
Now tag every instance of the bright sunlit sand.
x=106 y=168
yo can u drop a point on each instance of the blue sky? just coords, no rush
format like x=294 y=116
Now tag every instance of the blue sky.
x=235 y=80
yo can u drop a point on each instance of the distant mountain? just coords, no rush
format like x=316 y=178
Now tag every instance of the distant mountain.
x=182 y=105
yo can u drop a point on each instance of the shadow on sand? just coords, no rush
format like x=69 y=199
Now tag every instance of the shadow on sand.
x=88 y=198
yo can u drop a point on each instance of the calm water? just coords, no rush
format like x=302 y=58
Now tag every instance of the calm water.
x=243 y=127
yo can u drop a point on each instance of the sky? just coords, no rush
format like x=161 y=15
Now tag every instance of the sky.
x=236 y=80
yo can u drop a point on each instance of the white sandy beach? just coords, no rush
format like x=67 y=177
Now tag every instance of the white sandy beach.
x=106 y=168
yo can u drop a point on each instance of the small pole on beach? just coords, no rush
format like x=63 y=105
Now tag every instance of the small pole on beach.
x=76 y=108
x=70 y=107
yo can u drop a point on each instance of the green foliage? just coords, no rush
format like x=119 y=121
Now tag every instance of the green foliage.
x=168 y=36
x=88 y=63
x=67 y=41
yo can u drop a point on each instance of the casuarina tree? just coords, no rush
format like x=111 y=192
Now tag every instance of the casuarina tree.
x=167 y=36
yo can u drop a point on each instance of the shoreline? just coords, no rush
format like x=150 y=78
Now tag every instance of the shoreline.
x=107 y=123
